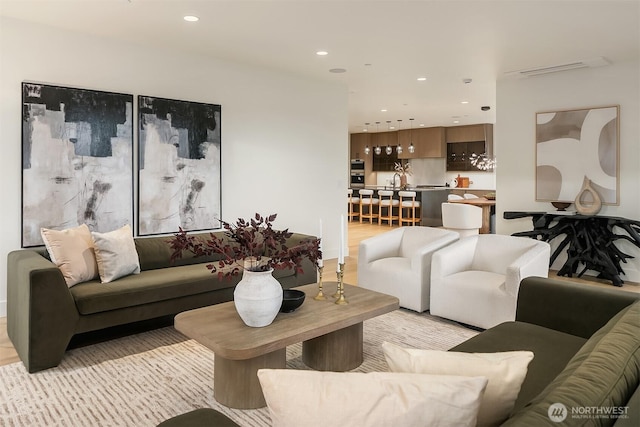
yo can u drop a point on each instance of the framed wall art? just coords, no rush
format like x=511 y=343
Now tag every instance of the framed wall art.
x=574 y=144
x=179 y=165
x=77 y=159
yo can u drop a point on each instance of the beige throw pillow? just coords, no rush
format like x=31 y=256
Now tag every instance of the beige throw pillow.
x=353 y=399
x=505 y=372
x=116 y=254
x=71 y=250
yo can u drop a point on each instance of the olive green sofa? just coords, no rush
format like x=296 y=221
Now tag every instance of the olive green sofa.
x=43 y=314
x=586 y=345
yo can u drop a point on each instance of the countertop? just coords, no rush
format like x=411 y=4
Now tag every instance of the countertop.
x=409 y=188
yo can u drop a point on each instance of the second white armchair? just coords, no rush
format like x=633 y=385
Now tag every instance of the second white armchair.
x=398 y=263
x=476 y=280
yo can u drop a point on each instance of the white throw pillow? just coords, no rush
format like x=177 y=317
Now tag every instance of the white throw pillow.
x=505 y=372
x=116 y=254
x=71 y=250
x=379 y=399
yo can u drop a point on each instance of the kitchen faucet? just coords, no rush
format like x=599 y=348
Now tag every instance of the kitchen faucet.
x=394 y=179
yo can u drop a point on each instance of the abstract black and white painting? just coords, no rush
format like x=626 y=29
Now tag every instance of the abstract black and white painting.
x=574 y=144
x=77 y=159
x=179 y=165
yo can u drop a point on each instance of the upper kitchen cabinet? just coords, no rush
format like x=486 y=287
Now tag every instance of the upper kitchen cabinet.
x=428 y=143
x=358 y=143
x=463 y=141
x=384 y=162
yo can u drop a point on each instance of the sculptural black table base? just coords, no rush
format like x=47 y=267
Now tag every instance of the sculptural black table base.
x=588 y=239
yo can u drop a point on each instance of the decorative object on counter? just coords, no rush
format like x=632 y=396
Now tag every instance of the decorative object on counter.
x=461 y=182
x=482 y=161
x=590 y=134
x=586 y=208
x=403 y=170
x=254 y=247
x=561 y=206
x=292 y=299
x=589 y=241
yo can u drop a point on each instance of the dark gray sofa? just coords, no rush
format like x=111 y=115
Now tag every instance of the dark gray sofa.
x=586 y=342
x=43 y=314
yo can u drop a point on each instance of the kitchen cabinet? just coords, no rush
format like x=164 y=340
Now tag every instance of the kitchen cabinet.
x=463 y=141
x=358 y=143
x=428 y=142
x=384 y=162
x=470 y=133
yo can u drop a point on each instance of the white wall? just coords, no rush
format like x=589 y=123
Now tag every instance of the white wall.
x=284 y=138
x=517 y=103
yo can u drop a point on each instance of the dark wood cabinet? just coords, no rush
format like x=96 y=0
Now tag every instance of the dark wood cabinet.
x=358 y=143
x=384 y=162
x=464 y=141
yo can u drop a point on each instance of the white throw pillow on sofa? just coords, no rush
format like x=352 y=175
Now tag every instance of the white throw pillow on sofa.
x=71 y=250
x=505 y=372
x=116 y=254
x=378 y=399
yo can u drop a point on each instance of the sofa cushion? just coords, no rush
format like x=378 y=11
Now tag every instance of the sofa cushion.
x=376 y=399
x=505 y=371
x=155 y=252
x=552 y=350
x=116 y=254
x=152 y=286
x=71 y=250
x=604 y=373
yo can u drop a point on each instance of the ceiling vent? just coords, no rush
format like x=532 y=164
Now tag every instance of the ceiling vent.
x=538 y=71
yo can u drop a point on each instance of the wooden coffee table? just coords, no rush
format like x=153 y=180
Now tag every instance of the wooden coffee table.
x=331 y=335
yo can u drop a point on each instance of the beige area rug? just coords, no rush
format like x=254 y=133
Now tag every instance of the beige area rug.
x=144 y=379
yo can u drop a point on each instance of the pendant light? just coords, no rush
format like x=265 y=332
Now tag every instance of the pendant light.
x=367 y=150
x=388 y=150
x=412 y=149
x=377 y=150
x=399 y=147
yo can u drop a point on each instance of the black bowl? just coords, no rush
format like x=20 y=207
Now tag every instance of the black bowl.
x=291 y=300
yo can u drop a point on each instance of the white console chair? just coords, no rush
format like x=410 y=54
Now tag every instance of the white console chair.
x=398 y=263
x=462 y=218
x=476 y=279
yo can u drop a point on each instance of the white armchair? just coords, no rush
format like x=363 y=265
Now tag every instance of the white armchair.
x=476 y=280
x=398 y=263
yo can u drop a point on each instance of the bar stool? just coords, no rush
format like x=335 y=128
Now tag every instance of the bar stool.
x=409 y=203
x=353 y=202
x=387 y=202
x=368 y=201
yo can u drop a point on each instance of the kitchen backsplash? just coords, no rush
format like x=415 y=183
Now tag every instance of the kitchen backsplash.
x=433 y=171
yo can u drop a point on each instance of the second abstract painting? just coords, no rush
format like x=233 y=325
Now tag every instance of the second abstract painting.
x=179 y=165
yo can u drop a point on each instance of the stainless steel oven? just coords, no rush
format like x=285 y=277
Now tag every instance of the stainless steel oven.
x=357 y=179
x=357 y=173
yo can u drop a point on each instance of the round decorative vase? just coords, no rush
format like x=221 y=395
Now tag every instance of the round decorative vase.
x=258 y=297
x=591 y=208
x=403 y=181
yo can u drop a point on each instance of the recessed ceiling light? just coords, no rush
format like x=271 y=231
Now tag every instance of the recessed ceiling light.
x=456 y=121
x=384 y=110
x=422 y=124
x=392 y=127
x=338 y=70
x=322 y=53
x=421 y=79
x=464 y=102
x=191 y=18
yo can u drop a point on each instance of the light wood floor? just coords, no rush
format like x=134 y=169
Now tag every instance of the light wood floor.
x=357 y=232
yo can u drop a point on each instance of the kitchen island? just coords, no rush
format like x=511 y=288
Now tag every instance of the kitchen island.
x=430 y=197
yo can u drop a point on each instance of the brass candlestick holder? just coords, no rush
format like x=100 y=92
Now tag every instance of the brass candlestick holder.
x=320 y=296
x=340 y=292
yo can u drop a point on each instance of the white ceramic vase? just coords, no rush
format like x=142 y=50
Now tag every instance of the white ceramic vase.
x=258 y=297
